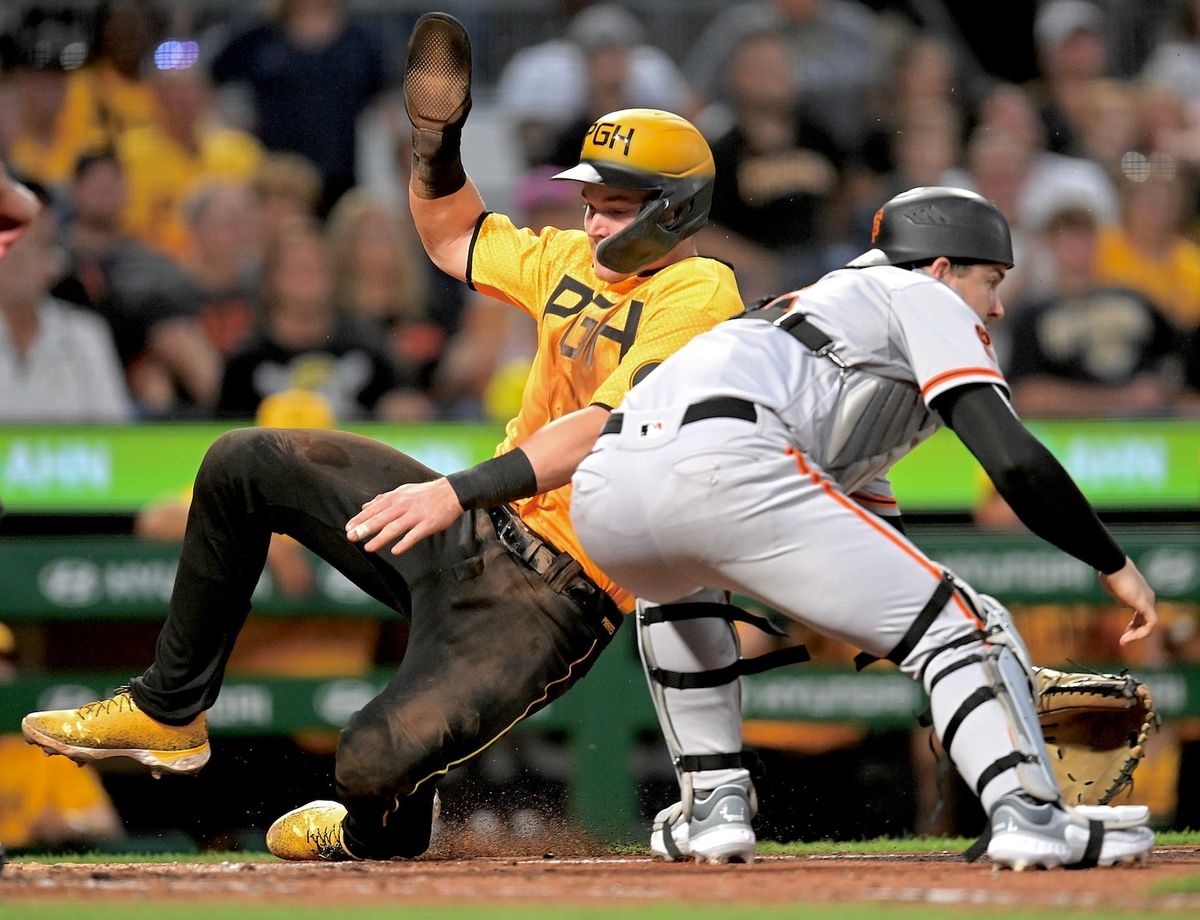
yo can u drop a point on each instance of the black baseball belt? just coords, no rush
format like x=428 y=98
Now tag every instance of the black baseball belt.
x=716 y=407
x=560 y=571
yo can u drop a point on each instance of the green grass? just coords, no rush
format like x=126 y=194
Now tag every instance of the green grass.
x=1185 y=884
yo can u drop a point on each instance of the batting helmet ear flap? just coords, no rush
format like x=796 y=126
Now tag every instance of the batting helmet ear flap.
x=658 y=228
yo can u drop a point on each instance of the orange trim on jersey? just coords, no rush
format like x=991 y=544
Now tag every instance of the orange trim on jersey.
x=961 y=372
x=883 y=530
x=870 y=498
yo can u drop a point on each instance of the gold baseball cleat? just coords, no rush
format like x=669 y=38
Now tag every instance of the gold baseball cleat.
x=116 y=727
x=310 y=832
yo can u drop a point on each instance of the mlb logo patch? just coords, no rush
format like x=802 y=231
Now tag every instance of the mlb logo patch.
x=650 y=430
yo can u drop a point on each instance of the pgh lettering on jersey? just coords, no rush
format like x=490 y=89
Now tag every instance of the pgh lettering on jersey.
x=595 y=339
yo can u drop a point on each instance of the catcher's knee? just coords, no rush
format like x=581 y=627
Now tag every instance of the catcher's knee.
x=1003 y=673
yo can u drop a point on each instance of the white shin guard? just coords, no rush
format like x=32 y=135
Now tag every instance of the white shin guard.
x=699 y=724
x=981 y=696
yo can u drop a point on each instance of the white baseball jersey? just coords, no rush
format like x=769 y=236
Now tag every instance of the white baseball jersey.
x=908 y=337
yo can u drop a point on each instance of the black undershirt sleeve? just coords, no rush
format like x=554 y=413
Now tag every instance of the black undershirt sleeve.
x=1027 y=476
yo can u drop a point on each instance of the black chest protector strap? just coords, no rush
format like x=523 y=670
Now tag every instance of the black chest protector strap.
x=798 y=326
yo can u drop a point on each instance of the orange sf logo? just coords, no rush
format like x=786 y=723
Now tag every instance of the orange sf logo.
x=875 y=224
x=984 y=336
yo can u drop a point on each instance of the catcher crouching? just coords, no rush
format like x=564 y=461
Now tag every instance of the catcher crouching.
x=756 y=460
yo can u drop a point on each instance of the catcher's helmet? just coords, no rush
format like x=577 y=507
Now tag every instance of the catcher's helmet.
x=923 y=223
x=656 y=151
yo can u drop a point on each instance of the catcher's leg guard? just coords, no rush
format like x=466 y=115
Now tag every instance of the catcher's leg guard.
x=1007 y=665
x=968 y=682
x=981 y=694
x=697 y=721
x=691 y=656
x=1004 y=638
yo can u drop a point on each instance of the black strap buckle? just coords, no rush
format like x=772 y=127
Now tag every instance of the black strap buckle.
x=560 y=571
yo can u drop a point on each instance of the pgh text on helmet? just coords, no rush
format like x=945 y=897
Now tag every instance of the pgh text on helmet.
x=919 y=225
x=655 y=151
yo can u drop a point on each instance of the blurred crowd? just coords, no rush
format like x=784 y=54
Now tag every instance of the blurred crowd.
x=226 y=191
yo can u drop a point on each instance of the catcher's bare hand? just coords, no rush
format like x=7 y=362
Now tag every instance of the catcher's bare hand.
x=407 y=514
x=1129 y=588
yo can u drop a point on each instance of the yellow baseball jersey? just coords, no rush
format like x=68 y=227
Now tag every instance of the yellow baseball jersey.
x=112 y=102
x=595 y=339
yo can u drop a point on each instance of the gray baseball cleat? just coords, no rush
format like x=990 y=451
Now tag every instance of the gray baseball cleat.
x=1031 y=834
x=719 y=831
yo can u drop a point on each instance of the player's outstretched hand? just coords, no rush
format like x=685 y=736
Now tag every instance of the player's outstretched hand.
x=18 y=207
x=1130 y=589
x=407 y=514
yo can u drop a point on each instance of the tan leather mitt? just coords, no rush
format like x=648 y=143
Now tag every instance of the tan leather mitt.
x=1095 y=727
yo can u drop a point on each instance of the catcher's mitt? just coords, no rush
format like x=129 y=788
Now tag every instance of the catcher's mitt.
x=1095 y=727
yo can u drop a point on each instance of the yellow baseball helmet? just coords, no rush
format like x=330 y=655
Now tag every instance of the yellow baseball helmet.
x=651 y=150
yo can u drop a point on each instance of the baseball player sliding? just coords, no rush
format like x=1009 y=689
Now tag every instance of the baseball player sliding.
x=507 y=612
x=755 y=460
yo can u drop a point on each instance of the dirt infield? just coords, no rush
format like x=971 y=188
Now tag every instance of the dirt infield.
x=579 y=880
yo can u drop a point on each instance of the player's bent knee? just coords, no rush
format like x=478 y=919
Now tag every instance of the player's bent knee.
x=379 y=754
x=367 y=760
x=232 y=450
x=241 y=453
